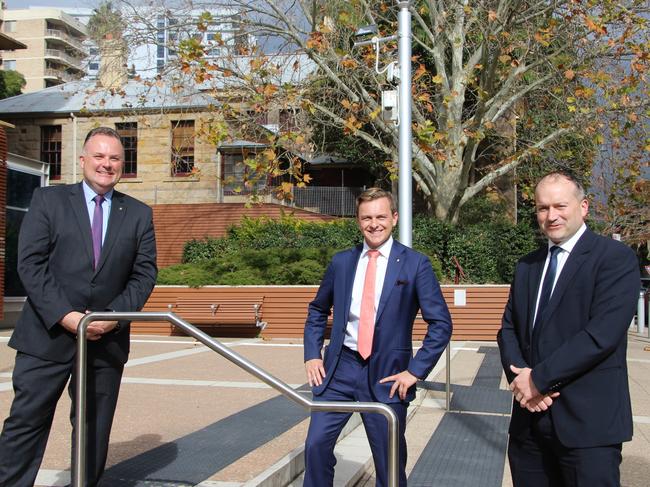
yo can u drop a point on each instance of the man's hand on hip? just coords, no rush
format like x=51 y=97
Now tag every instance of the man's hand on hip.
x=315 y=371
x=402 y=382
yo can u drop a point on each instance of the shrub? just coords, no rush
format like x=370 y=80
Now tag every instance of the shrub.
x=206 y=249
x=193 y=275
x=291 y=251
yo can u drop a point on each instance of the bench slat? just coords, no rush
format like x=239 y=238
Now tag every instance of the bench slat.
x=220 y=311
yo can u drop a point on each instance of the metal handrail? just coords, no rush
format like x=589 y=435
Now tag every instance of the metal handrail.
x=79 y=467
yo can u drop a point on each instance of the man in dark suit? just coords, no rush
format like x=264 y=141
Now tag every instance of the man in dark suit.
x=82 y=247
x=376 y=290
x=563 y=342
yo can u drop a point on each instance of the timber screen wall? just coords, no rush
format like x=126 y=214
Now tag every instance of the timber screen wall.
x=284 y=309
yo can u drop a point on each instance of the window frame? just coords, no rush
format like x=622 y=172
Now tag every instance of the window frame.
x=182 y=153
x=128 y=132
x=52 y=154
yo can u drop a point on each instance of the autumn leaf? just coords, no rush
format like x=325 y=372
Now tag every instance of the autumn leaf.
x=542 y=38
x=270 y=90
x=569 y=74
x=419 y=72
x=375 y=113
x=594 y=26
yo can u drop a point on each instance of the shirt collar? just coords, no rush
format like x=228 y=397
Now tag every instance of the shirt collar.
x=384 y=249
x=569 y=244
x=90 y=194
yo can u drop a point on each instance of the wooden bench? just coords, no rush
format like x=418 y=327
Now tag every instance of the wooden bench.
x=220 y=311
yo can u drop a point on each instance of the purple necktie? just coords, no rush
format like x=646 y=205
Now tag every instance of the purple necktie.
x=97 y=227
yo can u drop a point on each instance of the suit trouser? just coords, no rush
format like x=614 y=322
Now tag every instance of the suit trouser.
x=540 y=460
x=38 y=385
x=350 y=383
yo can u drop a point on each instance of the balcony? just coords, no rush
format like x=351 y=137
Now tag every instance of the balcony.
x=63 y=56
x=327 y=200
x=59 y=75
x=67 y=38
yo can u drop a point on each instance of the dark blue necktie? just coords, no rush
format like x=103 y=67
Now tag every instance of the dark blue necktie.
x=547 y=285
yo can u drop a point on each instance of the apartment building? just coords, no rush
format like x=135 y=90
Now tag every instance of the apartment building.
x=153 y=34
x=55 y=53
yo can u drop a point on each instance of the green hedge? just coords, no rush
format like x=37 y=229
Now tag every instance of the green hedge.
x=249 y=266
x=291 y=251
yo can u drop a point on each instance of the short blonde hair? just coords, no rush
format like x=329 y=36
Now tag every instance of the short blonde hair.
x=372 y=194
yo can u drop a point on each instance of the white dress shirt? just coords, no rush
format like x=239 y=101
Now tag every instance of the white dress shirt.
x=352 y=330
x=565 y=250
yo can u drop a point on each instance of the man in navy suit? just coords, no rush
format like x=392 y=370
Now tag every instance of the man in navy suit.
x=376 y=290
x=563 y=342
x=82 y=247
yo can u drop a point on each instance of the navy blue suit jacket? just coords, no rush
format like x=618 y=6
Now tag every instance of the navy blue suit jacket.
x=579 y=344
x=410 y=285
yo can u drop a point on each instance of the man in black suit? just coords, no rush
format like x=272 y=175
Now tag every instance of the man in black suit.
x=563 y=343
x=82 y=247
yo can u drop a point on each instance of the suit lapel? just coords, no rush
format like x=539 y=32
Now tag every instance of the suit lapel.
x=395 y=262
x=115 y=219
x=80 y=210
x=575 y=260
x=534 y=281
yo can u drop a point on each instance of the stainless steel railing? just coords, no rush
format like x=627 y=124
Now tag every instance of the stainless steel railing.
x=79 y=467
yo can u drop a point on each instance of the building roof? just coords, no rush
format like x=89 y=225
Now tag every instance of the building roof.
x=8 y=43
x=86 y=97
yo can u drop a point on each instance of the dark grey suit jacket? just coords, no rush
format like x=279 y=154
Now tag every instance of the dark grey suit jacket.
x=579 y=343
x=55 y=264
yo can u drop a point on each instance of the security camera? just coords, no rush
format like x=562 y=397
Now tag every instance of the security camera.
x=366 y=30
x=362 y=34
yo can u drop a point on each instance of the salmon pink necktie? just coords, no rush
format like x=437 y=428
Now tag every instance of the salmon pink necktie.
x=367 y=315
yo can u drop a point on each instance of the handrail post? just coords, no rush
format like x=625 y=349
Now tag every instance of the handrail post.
x=448 y=377
x=79 y=467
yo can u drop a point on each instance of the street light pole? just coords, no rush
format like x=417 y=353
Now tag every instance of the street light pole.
x=405 y=173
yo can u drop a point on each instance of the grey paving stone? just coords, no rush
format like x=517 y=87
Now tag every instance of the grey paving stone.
x=469 y=449
x=196 y=457
x=465 y=450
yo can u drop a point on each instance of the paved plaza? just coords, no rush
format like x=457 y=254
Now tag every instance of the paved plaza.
x=186 y=417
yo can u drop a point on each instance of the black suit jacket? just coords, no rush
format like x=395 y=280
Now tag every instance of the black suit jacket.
x=579 y=343
x=55 y=264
